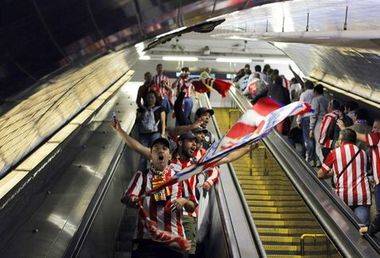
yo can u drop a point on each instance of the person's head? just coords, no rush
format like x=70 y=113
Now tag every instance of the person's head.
x=270 y=72
x=204 y=115
x=318 y=90
x=187 y=144
x=275 y=72
x=200 y=134
x=185 y=71
x=257 y=68
x=159 y=69
x=333 y=105
x=350 y=106
x=150 y=99
x=309 y=85
x=360 y=114
x=207 y=70
x=266 y=68
x=148 y=77
x=160 y=154
x=376 y=126
x=256 y=75
x=347 y=135
x=277 y=80
x=293 y=81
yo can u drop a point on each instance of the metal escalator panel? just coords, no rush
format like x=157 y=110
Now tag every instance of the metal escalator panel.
x=286 y=226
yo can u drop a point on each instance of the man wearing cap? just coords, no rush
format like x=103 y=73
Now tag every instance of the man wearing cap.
x=156 y=206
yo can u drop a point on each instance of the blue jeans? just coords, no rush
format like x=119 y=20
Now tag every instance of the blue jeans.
x=166 y=104
x=146 y=139
x=375 y=225
x=309 y=143
x=187 y=107
x=362 y=212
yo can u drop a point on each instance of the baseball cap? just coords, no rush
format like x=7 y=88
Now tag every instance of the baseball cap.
x=186 y=136
x=203 y=110
x=200 y=130
x=162 y=140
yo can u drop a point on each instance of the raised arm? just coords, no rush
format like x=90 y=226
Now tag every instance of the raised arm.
x=236 y=154
x=298 y=78
x=131 y=142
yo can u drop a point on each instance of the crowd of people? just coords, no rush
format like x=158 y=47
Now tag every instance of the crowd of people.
x=164 y=151
x=337 y=138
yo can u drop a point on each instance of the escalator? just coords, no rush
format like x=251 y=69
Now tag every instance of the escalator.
x=285 y=225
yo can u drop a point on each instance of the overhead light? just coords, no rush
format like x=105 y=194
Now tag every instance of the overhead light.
x=232 y=60
x=180 y=58
x=144 y=57
x=277 y=61
x=243 y=38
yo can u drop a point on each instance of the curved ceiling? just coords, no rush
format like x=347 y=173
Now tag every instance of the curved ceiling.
x=40 y=36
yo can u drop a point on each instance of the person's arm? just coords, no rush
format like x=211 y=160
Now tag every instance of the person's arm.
x=131 y=142
x=237 y=154
x=131 y=195
x=163 y=122
x=361 y=137
x=325 y=170
x=212 y=179
x=313 y=117
x=178 y=130
x=139 y=98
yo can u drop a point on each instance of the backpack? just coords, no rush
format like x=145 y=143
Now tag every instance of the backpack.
x=147 y=122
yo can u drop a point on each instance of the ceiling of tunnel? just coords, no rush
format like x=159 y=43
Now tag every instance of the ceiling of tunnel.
x=40 y=36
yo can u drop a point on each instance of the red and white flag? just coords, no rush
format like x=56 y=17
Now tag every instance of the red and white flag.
x=203 y=85
x=252 y=127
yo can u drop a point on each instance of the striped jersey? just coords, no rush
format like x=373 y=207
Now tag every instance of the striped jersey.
x=184 y=85
x=189 y=185
x=373 y=140
x=158 y=205
x=159 y=79
x=352 y=184
x=328 y=120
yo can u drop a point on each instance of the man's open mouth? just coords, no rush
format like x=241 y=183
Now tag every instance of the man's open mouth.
x=161 y=157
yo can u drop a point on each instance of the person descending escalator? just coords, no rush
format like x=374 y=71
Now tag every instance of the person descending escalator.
x=160 y=230
x=162 y=81
x=347 y=165
x=372 y=140
x=183 y=85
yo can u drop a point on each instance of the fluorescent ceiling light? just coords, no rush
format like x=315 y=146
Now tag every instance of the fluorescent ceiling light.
x=180 y=58
x=243 y=38
x=232 y=60
x=277 y=61
x=144 y=57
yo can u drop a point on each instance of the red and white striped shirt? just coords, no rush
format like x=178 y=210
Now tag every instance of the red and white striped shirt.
x=352 y=185
x=159 y=79
x=158 y=211
x=189 y=185
x=373 y=140
x=184 y=85
x=327 y=121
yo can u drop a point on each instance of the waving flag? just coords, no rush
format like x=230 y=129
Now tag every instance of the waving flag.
x=203 y=85
x=253 y=126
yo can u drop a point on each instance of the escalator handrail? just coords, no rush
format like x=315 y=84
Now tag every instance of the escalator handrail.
x=252 y=227
x=348 y=241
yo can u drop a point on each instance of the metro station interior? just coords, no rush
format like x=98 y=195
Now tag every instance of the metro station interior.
x=71 y=70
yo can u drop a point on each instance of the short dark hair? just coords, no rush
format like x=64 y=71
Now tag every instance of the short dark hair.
x=278 y=80
x=275 y=72
x=158 y=65
x=361 y=114
x=257 y=68
x=185 y=69
x=351 y=105
x=147 y=73
x=266 y=68
x=247 y=65
x=318 y=89
x=348 y=135
x=309 y=85
x=335 y=104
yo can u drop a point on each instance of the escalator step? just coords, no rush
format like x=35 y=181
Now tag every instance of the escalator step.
x=286 y=224
x=274 y=216
x=276 y=197
x=287 y=210
x=275 y=203
x=266 y=182
x=288 y=231
x=267 y=187
x=292 y=240
x=253 y=190
x=296 y=249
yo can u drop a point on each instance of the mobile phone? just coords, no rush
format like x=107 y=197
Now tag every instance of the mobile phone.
x=114 y=118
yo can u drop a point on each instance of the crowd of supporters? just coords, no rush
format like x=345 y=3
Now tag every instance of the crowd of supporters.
x=168 y=220
x=337 y=138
